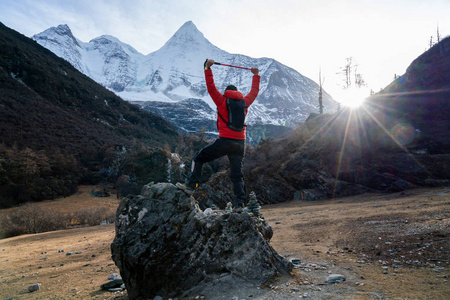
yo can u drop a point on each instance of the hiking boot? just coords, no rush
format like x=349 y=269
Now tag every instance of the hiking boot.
x=192 y=185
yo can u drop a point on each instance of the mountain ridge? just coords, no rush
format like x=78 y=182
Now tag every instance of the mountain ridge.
x=174 y=72
x=59 y=128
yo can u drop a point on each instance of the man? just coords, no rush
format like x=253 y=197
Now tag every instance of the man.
x=230 y=142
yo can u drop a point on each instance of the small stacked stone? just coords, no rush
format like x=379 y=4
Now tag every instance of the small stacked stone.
x=229 y=208
x=253 y=206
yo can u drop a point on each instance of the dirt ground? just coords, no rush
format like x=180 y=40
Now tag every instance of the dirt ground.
x=388 y=246
x=393 y=246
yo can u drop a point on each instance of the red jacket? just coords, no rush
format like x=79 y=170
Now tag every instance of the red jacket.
x=220 y=101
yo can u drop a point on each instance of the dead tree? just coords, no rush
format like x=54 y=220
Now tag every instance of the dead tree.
x=321 y=82
x=438 y=36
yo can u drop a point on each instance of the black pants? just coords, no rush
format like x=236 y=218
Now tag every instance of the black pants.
x=232 y=148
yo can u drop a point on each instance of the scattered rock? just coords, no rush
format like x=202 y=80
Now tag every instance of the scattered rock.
x=116 y=283
x=114 y=276
x=34 y=287
x=335 y=278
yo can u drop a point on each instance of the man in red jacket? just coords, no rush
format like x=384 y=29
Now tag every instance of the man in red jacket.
x=230 y=142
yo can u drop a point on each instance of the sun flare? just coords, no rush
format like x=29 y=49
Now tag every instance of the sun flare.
x=353 y=98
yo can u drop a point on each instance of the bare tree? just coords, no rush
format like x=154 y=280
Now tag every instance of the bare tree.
x=351 y=76
x=350 y=70
x=359 y=81
x=347 y=72
x=438 y=36
x=321 y=82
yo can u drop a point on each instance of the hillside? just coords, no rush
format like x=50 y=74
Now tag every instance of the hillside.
x=398 y=140
x=421 y=96
x=59 y=128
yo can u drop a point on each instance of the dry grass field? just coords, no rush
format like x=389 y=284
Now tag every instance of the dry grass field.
x=42 y=258
x=391 y=246
x=388 y=246
x=79 y=201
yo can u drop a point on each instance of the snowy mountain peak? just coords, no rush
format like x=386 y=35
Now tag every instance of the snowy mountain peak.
x=189 y=26
x=111 y=41
x=108 y=38
x=62 y=29
x=57 y=34
x=188 y=34
x=175 y=72
x=63 y=43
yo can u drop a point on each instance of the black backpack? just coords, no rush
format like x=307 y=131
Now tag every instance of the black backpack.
x=236 y=114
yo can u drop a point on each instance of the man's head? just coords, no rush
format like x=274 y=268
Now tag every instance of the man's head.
x=231 y=87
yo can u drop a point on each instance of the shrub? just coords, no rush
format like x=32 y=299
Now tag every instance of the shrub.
x=93 y=216
x=31 y=218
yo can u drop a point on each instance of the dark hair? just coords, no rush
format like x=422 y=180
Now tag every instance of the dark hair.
x=231 y=87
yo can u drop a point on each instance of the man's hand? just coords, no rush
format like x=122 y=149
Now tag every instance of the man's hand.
x=255 y=71
x=209 y=63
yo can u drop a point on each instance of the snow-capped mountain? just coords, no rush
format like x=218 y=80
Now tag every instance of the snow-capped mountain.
x=175 y=73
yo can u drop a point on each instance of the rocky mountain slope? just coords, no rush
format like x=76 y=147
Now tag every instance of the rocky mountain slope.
x=58 y=127
x=174 y=73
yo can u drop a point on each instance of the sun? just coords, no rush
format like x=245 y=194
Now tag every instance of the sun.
x=353 y=97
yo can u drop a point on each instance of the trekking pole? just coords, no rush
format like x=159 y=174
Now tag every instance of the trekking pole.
x=218 y=63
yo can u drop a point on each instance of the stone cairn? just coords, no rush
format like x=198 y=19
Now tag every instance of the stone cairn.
x=229 y=208
x=253 y=206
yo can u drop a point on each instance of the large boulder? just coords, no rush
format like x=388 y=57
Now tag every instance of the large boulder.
x=166 y=245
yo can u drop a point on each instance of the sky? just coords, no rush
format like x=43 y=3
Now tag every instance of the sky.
x=381 y=36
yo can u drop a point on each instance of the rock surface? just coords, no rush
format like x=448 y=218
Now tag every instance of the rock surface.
x=335 y=278
x=166 y=245
x=34 y=287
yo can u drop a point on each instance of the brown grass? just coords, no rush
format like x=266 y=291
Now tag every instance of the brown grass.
x=79 y=201
x=30 y=259
x=81 y=209
x=351 y=235
x=366 y=232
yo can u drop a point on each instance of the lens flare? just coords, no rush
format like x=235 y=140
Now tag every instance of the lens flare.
x=403 y=133
x=353 y=97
